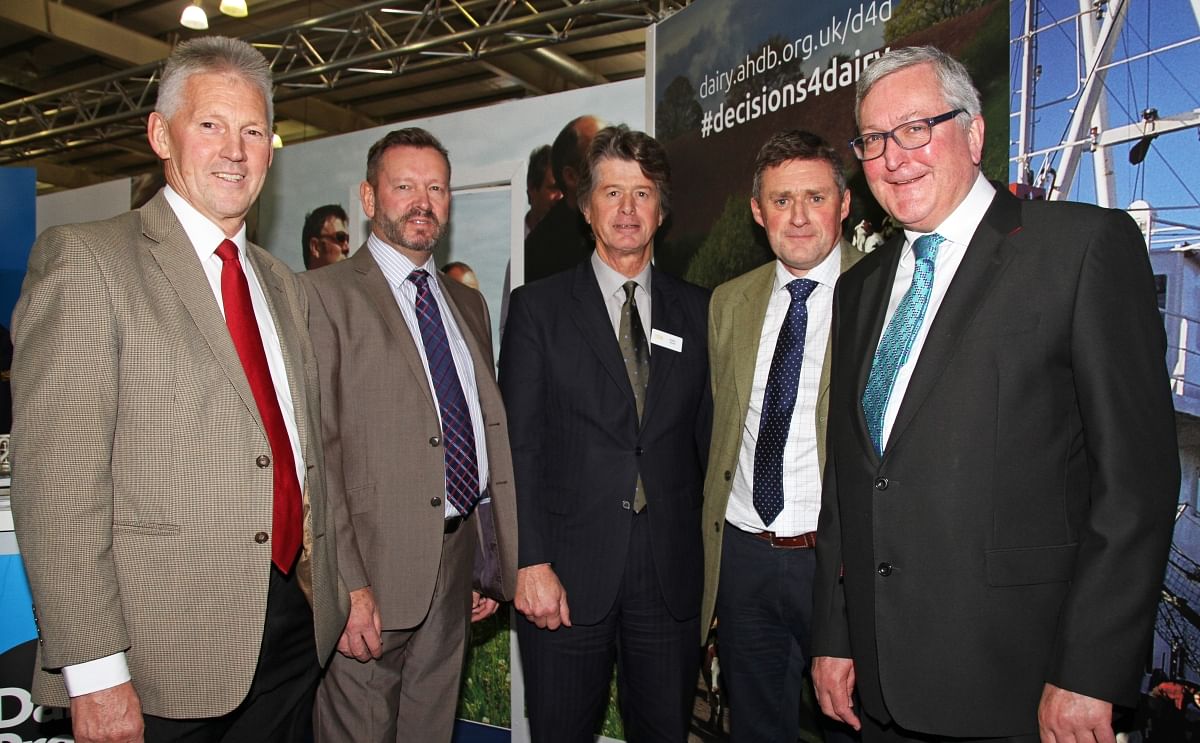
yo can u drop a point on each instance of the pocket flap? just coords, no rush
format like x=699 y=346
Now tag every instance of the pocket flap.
x=1031 y=565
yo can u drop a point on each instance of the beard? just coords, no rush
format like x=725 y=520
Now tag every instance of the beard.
x=393 y=230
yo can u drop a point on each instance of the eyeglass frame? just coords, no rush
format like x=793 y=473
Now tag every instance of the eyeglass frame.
x=857 y=144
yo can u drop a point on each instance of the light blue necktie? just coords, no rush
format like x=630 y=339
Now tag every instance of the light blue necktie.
x=779 y=400
x=898 y=338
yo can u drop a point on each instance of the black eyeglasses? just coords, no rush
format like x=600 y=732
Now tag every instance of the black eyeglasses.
x=910 y=135
x=338 y=237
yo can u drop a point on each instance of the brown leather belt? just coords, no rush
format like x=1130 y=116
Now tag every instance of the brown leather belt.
x=804 y=541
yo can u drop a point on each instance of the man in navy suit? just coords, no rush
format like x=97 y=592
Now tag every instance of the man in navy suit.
x=1001 y=469
x=604 y=371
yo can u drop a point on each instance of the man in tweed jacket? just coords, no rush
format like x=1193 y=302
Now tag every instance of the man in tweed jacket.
x=144 y=477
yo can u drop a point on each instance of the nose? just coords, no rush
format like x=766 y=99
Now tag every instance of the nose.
x=893 y=154
x=232 y=147
x=799 y=213
x=627 y=204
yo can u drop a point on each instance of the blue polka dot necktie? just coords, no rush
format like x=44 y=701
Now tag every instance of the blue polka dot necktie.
x=898 y=338
x=779 y=400
x=458 y=437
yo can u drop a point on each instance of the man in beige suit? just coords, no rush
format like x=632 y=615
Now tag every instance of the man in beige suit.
x=768 y=348
x=168 y=488
x=416 y=441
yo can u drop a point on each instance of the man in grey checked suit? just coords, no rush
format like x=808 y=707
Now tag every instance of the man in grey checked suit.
x=168 y=488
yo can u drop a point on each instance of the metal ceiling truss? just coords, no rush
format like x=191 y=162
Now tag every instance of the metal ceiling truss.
x=352 y=47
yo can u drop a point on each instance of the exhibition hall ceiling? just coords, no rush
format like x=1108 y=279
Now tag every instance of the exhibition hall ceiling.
x=78 y=76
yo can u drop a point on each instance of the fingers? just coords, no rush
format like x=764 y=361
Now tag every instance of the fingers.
x=833 y=679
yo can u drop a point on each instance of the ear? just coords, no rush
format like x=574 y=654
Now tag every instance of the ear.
x=756 y=210
x=845 y=205
x=313 y=250
x=366 y=194
x=156 y=132
x=570 y=177
x=586 y=209
x=975 y=139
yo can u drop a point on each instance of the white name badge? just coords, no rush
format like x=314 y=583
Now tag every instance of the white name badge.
x=666 y=340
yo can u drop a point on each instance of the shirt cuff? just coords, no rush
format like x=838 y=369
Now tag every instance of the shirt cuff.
x=96 y=675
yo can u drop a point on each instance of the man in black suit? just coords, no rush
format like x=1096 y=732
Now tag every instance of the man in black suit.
x=604 y=371
x=1002 y=468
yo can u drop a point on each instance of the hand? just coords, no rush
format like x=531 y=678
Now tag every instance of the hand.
x=363 y=637
x=541 y=597
x=1068 y=717
x=482 y=607
x=111 y=715
x=833 y=679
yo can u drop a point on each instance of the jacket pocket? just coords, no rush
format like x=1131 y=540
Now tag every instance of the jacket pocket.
x=1027 y=566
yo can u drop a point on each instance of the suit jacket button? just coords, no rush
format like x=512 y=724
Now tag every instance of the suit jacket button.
x=261 y=537
x=435 y=501
x=881 y=483
x=638 y=451
x=435 y=440
x=728 y=475
x=884 y=569
x=263 y=460
x=625 y=504
x=717 y=526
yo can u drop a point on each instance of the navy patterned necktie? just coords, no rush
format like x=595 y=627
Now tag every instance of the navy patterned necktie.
x=779 y=401
x=897 y=339
x=458 y=437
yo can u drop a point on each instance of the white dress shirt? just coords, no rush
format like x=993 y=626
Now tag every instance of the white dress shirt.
x=396 y=267
x=111 y=670
x=958 y=229
x=801 y=467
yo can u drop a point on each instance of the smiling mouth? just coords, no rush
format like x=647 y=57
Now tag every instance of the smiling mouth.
x=230 y=177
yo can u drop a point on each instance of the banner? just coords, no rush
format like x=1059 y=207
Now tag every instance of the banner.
x=727 y=75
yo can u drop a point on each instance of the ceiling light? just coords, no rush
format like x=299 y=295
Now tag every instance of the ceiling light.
x=235 y=8
x=194 y=17
x=276 y=141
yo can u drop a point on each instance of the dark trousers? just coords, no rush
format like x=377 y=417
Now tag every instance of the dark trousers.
x=567 y=670
x=874 y=731
x=278 y=708
x=764 y=610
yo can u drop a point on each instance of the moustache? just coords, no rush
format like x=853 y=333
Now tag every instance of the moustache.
x=417 y=212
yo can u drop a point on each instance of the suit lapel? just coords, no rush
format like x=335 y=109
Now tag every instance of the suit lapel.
x=861 y=337
x=968 y=291
x=273 y=284
x=746 y=325
x=173 y=252
x=596 y=328
x=470 y=328
x=849 y=256
x=665 y=315
x=376 y=287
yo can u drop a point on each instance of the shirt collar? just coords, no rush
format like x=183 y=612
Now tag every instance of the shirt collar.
x=824 y=273
x=612 y=282
x=204 y=234
x=960 y=226
x=395 y=265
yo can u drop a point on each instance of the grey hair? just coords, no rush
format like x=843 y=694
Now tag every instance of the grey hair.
x=212 y=54
x=953 y=78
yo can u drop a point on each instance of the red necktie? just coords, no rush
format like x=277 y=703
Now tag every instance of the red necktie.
x=243 y=328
